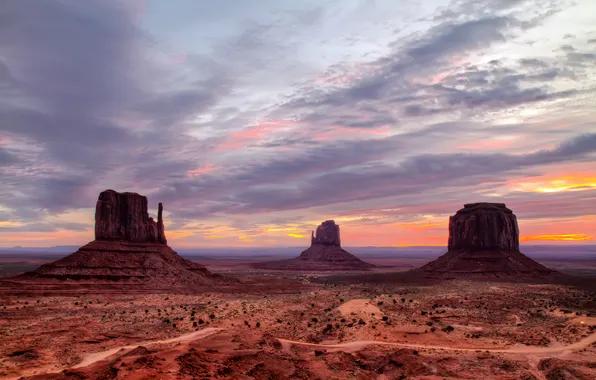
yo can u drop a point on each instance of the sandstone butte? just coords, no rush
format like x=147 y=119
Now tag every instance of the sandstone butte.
x=484 y=241
x=130 y=250
x=324 y=254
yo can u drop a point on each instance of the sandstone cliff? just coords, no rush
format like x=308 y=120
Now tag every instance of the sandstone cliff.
x=124 y=216
x=130 y=253
x=327 y=234
x=484 y=240
x=324 y=254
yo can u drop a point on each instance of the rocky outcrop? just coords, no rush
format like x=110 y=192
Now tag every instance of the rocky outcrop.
x=484 y=241
x=124 y=216
x=327 y=234
x=324 y=254
x=484 y=226
x=130 y=252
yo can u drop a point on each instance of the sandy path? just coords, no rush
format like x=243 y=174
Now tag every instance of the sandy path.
x=358 y=345
x=95 y=357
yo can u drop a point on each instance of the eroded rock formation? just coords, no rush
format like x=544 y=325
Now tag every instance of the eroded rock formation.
x=484 y=240
x=129 y=252
x=484 y=226
x=124 y=216
x=327 y=234
x=324 y=254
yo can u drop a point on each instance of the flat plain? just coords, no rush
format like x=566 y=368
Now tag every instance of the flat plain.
x=306 y=325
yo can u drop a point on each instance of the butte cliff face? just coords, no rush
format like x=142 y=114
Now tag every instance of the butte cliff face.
x=484 y=240
x=327 y=234
x=123 y=216
x=129 y=253
x=324 y=254
x=484 y=226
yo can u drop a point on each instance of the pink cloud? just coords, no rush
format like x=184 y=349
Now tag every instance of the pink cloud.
x=201 y=170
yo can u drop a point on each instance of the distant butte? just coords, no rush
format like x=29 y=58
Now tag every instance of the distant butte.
x=484 y=241
x=129 y=252
x=324 y=254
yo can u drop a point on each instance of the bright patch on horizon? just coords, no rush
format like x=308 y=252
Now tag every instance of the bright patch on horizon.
x=297 y=236
x=558 y=237
x=558 y=184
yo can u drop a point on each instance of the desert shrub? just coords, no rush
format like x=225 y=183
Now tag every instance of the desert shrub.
x=361 y=322
x=258 y=324
x=315 y=320
x=212 y=316
x=448 y=329
x=201 y=321
x=385 y=318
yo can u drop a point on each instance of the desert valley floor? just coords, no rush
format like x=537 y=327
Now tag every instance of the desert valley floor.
x=296 y=325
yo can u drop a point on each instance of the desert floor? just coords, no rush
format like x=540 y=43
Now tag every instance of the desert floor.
x=447 y=330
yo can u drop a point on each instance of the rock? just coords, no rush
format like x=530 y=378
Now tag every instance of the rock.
x=484 y=241
x=123 y=216
x=324 y=254
x=327 y=234
x=129 y=253
x=484 y=226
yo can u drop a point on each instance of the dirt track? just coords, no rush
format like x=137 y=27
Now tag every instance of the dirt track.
x=360 y=344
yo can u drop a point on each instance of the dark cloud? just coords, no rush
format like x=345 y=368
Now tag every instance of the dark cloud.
x=276 y=186
x=6 y=158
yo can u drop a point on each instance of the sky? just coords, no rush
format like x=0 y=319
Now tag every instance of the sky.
x=254 y=121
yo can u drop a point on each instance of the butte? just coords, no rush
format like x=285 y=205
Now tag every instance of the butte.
x=324 y=254
x=484 y=242
x=129 y=254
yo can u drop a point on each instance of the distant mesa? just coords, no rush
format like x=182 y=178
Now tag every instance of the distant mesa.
x=324 y=254
x=484 y=240
x=130 y=250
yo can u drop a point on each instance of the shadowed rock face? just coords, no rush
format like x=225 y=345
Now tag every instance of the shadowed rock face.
x=327 y=234
x=484 y=241
x=484 y=226
x=130 y=252
x=123 y=216
x=324 y=254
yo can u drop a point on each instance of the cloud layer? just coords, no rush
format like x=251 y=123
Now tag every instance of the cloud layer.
x=254 y=131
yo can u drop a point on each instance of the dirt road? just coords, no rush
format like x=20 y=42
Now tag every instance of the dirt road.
x=360 y=344
x=95 y=357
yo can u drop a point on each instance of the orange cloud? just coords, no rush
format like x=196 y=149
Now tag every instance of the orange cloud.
x=297 y=236
x=568 y=182
x=558 y=237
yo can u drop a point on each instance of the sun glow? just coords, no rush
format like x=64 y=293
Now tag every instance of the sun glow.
x=558 y=237
x=553 y=185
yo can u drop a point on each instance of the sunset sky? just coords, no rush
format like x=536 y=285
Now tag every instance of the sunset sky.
x=253 y=121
